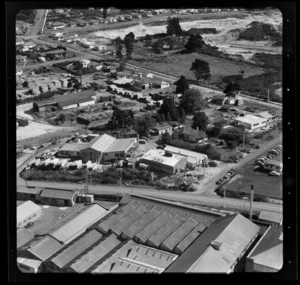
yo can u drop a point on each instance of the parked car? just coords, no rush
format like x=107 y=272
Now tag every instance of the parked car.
x=274 y=173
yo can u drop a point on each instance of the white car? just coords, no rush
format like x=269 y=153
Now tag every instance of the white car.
x=274 y=173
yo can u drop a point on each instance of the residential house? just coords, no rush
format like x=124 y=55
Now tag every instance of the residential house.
x=161 y=129
x=266 y=115
x=192 y=135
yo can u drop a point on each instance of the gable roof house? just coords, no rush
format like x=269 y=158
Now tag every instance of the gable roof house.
x=193 y=135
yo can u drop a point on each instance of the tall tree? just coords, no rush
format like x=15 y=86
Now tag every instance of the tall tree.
x=157 y=46
x=194 y=43
x=128 y=40
x=201 y=69
x=119 y=53
x=181 y=118
x=168 y=107
x=200 y=121
x=192 y=101
x=162 y=117
x=143 y=125
x=121 y=119
x=168 y=117
x=231 y=89
x=173 y=27
x=182 y=85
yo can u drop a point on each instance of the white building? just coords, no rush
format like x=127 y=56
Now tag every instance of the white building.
x=251 y=122
x=193 y=158
x=157 y=160
x=28 y=212
x=85 y=62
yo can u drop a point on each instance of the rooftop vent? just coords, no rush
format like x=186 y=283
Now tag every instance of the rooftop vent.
x=216 y=245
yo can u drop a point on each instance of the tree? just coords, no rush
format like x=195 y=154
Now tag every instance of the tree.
x=128 y=40
x=143 y=125
x=168 y=107
x=182 y=85
x=168 y=117
x=162 y=117
x=119 y=48
x=194 y=43
x=233 y=134
x=181 y=118
x=200 y=121
x=25 y=84
x=166 y=138
x=201 y=69
x=157 y=46
x=121 y=66
x=173 y=27
x=231 y=88
x=192 y=101
x=171 y=41
x=121 y=119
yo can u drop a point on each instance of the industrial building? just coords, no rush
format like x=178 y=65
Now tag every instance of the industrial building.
x=141 y=235
x=219 y=248
x=57 y=197
x=251 y=122
x=101 y=148
x=28 y=193
x=157 y=160
x=28 y=212
x=68 y=101
x=267 y=255
x=193 y=158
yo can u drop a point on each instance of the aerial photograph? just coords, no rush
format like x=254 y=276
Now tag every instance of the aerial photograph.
x=149 y=140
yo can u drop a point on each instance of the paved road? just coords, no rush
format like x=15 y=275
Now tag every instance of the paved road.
x=38 y=23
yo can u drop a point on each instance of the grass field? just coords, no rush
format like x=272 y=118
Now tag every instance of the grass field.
x=180 y=64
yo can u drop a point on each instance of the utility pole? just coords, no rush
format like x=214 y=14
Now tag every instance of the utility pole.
x=120 y=187
x=251 y=202
x=240 y=187
x=243 y=138
x=224 y=197
x=268 y=94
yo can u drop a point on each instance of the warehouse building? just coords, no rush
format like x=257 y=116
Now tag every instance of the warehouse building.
x=57 y=197
x=28 y=212
x=157 y=160
x=28 y=193
x=193 y=158
x=219 y=248
x=267 y=255
x=68 y=101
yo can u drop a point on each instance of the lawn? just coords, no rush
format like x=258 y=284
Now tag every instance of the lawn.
x=180 y=64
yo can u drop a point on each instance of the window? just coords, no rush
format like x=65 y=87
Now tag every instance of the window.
x=24 y=266
x=255 y=124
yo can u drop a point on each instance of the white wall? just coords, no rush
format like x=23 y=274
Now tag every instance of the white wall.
x=87 y=103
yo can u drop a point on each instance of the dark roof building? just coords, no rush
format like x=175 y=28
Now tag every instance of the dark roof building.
x=267 y=255
x=57 y=197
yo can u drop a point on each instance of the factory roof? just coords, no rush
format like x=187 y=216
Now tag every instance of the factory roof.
x=101 y=143
x=78 y=247
x=265 y=115
x=28 y=190
x=45 y=247
x=218 y=247
x=78 y=224
x=74 y=146
x=268 y=252
x=120 y=145
x=184 y=152
x=270 y=216
x=24 y=236
x=158 y=155
x=26 y=210
x=57 y=194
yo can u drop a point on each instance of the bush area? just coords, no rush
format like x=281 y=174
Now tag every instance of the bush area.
x=26 y=15
x=200 y=31
x=109 y=176
x=239 y=195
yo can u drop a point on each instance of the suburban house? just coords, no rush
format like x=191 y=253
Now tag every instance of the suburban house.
x=273 y=165
x=192 y=135
x=28 y=212
x=193 y=158
x=85 y=62
x=68 y=101
x=251 y=122
x=157 y=160
x=161 y=129
x=229 y=100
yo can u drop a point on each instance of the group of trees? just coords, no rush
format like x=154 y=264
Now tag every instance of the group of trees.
x=194 y=43
x=121 y=119
x=128 y=43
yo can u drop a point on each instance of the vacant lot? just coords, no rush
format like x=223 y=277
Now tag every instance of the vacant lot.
x=180 y=64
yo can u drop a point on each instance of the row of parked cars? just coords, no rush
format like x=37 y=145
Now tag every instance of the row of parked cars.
x=271 y=154
x=228 y=176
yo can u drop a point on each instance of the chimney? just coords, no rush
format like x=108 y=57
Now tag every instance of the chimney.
x=216 y=245
x=251 y=202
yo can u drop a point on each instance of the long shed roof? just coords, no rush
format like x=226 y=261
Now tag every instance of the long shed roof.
x=57 y=194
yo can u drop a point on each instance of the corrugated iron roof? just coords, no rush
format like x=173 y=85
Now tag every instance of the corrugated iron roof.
x=102 y=142
x=270 y=216
x=45 y=248
x=74 y=147
x=57 y=194
x=24 y=236
x=28 y=190
x=120 y=145
x=233 y=233
x=269 y=249
x=27 y=209
x=78 y=224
